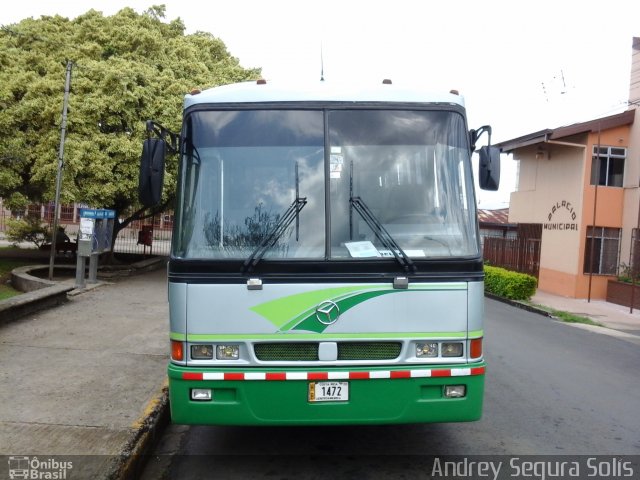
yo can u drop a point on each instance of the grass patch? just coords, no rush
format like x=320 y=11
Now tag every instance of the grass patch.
x=6 y=291
x=6 y=265
x=568 y=317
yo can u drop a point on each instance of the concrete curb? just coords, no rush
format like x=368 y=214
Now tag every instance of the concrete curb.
x=22 y=280
x=143 y=266
x=30 y=302
x=146 y=430
x=518 y=304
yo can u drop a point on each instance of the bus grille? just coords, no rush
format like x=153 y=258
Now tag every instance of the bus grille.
x=308 y=352
x=368 y=350
x=291 y=352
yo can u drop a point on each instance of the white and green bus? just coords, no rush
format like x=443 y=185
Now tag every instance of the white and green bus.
x=325 y=264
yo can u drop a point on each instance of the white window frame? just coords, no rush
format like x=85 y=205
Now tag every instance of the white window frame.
x=606 y=155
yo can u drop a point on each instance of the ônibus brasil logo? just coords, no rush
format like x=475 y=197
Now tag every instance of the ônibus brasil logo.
x=34 y=468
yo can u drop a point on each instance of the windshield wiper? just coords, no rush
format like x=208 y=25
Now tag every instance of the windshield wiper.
x=274 y=234
x=383 y=235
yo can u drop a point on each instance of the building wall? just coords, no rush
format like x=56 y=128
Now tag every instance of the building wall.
x=557 y=183
x=632 y=166
x=609 y=210
x=555 y=190
x=550 y=193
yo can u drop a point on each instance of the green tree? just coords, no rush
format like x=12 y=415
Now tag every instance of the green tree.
x=128 y=68
x=28 y=229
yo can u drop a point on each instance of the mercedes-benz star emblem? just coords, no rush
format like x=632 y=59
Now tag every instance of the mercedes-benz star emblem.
x=327 y=312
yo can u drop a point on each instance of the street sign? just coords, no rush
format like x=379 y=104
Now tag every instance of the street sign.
x=97 y=213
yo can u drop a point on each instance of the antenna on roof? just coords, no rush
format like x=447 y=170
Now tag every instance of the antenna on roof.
x=321 y=64
x=555 y=86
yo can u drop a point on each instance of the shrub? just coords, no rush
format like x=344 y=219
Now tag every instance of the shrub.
x=508 y=284
x=29 y=229
x=628 y=274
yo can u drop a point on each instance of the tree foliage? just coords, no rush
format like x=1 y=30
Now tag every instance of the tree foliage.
x=128 y=68
x=29 y=229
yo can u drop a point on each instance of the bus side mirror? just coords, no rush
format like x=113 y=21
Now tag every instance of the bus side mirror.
x=489 y=168
x=151 y=171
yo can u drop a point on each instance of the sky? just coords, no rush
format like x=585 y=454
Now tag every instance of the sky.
x=521 y=66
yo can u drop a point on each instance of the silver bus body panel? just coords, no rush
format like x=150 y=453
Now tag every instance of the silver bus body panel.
x=294 y=309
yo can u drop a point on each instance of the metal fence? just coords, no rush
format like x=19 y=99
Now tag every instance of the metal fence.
x=128 y=240
x=521 y=254
x=632 y=269
x=4 y=214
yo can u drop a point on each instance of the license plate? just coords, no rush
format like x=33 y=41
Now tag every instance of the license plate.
x=328 y=391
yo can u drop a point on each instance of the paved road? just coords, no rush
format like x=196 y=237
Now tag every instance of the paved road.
x=551 y=389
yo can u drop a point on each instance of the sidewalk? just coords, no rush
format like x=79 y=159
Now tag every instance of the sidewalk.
x=608 y=314
x=82 y=378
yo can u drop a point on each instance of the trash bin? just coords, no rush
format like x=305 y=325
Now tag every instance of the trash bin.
x=145 y=236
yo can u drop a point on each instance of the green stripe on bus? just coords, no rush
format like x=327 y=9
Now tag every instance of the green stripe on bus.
x=285 y=309
x=298 y=311
x=308 y=321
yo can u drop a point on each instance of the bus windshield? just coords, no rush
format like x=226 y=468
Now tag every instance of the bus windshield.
x=243 y=170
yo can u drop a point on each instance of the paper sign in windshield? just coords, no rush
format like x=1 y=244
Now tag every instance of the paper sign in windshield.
x=363 y=249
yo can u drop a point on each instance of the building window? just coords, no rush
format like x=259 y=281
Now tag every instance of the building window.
x=609 y=171
x=605 y=244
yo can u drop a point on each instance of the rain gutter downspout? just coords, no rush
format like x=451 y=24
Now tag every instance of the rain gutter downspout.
x=566 y=144
x=595 y=209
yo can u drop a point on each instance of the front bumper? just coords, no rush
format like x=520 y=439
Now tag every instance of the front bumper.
x=377 y=395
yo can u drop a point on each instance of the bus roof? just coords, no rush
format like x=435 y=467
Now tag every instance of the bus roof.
x=321 y=91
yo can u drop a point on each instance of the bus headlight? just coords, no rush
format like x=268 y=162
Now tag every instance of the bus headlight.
x=202 y=352
x=429 y=350
x=201 y=394
x=452 y=349
x=227 y=352
x=455 y=391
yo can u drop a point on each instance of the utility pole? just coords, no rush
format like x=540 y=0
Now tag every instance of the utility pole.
x=56 y=204
x=595 y=209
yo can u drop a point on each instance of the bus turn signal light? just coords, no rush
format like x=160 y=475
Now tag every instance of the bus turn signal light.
x=475 y=348
x=177 y=350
